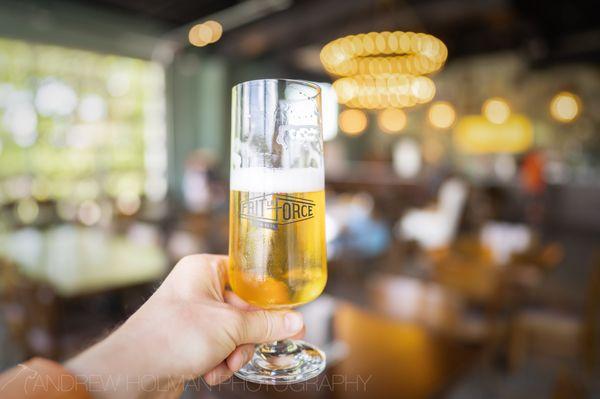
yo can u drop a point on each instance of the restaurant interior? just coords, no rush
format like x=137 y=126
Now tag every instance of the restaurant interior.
x=462 y=177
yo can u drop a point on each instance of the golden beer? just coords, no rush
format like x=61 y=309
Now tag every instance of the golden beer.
x=277 y=243
x=277 y=254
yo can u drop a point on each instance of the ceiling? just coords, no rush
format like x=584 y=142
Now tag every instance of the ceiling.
x=546 y=32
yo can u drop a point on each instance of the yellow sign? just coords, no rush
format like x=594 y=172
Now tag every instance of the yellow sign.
x=474 y=134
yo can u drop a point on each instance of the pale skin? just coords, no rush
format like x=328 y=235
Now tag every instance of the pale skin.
x=191 y=326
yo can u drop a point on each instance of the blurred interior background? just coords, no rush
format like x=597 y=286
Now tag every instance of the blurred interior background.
x=463 y=232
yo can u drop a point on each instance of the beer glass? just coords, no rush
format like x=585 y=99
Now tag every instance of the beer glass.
x=277 y=248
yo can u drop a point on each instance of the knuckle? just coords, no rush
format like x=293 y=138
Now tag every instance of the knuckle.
x=185 y=263
x=268 y=324
x=239 y=324
x=193 y=259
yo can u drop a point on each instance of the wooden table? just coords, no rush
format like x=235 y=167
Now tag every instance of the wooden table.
x=77 y=260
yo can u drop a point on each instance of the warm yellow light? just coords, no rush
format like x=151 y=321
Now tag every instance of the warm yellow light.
x=441 y=115
x=423 y=89
x=195 y=38
x=564 y=107
x=496 y=110
x=384 y=91
x=353 y=121
x=476 y=135
x=205 y=33
x=391 y=120
x=412 y=53
x=384 y=70
x=216 y=30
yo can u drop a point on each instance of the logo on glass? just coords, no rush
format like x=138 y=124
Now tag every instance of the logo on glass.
x=272 y=210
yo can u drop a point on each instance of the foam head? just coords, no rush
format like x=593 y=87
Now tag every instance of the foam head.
x=272 y=180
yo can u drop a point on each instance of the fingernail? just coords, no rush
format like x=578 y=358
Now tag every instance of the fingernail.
x=293 y=322
x=239 y=361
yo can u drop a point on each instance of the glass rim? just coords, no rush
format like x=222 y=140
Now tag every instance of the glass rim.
x=297 y=81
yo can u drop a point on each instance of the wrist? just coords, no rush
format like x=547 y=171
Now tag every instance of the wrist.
x=99 y=372
x=122 y=366
x=108 y=370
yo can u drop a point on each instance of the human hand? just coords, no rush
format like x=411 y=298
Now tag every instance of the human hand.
x=190 y=326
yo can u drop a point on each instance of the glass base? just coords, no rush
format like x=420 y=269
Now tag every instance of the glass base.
x=283 y=362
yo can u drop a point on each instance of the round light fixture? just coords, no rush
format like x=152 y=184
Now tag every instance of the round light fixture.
x=391 y=120
x=205 y=33
x=386 y=52
x=393 y=91
x=565 y=107
x=353 y=121
x=496 y=110
x=441 y=115
x=383 y=70
x=216 y=30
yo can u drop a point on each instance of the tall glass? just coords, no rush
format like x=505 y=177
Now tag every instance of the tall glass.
x=277 y=214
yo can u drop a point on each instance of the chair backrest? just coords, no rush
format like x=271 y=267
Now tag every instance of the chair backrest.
x=451 y=196
x=451 y=200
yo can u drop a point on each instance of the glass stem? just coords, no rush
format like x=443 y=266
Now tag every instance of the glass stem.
x=279 y=355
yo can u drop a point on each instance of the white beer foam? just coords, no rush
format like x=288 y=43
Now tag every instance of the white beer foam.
x=269 y=180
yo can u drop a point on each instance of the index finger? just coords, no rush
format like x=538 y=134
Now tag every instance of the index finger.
x=197 y=274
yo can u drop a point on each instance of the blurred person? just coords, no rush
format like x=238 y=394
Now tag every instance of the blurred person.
x=534 y=185
x=532 y=173
x=200 y=193
x=191 y=326
x=360 y=232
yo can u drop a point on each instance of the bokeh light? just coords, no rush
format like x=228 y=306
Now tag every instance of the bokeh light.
x=441 y=115
x=565 y=106
x=55 y=98
x=205 y=33
x=21 y=121
x=89 y=213
x=474 y=134
x=27 y=210
x=496 y=110
x=391 y=120
x=353 y=121
x=92 y=108
x=128 y=203
x=67 y=127
x=423 y=89
x=118 y=83
x=216 y=30
x=384 y=70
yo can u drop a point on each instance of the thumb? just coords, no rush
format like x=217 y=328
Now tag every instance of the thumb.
x=265 y=326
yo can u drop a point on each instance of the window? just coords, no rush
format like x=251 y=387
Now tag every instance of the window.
x=79 y=126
